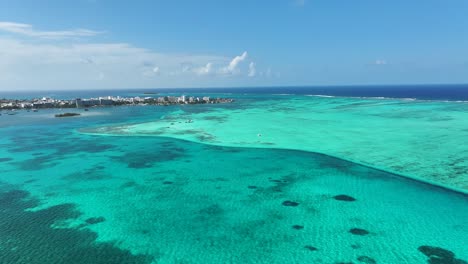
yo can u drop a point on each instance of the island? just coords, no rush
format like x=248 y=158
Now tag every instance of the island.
x=67 y=114
x=46 y=102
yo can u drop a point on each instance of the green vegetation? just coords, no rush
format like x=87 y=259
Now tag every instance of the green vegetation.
x=67 y=114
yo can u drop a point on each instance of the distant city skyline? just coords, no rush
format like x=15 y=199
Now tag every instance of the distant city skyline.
x=102 y=44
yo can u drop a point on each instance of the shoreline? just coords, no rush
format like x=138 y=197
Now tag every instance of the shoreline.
x=50 y=103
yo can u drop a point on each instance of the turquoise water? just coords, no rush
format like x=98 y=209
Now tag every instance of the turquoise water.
x=423 y=139
x=94 y=189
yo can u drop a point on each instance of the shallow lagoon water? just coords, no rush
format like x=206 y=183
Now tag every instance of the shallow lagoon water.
x=143 y=199
x=424 y=139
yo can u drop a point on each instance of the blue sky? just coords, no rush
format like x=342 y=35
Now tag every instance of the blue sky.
x=94 y=44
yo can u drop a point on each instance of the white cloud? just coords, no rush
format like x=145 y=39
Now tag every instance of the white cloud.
x=28 y=30
x=70 y=64
x=233 y=67
x=204 y=70
x=380 y=62
x=152 y=71
x=252 y=70
x=51 y=65
x=186 y=66
x=300 y=2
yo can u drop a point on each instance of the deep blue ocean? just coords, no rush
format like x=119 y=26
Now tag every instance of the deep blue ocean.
x=422 y=92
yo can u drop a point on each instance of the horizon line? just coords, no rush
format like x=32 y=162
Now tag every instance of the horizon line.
x=240 y=87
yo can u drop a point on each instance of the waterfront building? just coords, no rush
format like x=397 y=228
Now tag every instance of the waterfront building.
x=104 y=101
x=78 y=102
x=172 y=99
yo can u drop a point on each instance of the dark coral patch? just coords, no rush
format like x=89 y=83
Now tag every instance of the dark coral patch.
x=71 y=146
x=343 y=197
x=95 y=220
x=129 y=184
x=28 y=236
x=290 y=203
x=438 y=255
x=298 y=227
x=37 y=163
x=86 y=175
x=5 y=159
x=366 y=259
x=220 y=119
x=358 y=231
x=283 y=180
x=311 y=248
x=149 y=158
x=436 y=252
x=30 y=181
x=355 y=246
x=252 y=187
x=167 y=182
x=212 y=210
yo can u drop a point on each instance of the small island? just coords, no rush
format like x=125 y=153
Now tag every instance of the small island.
x=67 y=114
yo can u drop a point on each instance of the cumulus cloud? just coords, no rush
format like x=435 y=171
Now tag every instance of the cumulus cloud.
x=70 y=64
x=252 y=70
x=156 y=70
x=233 y=67
x=28 y=30
x=204 y=70
x=186 y=67
x=51 y=65
x=380 y=62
